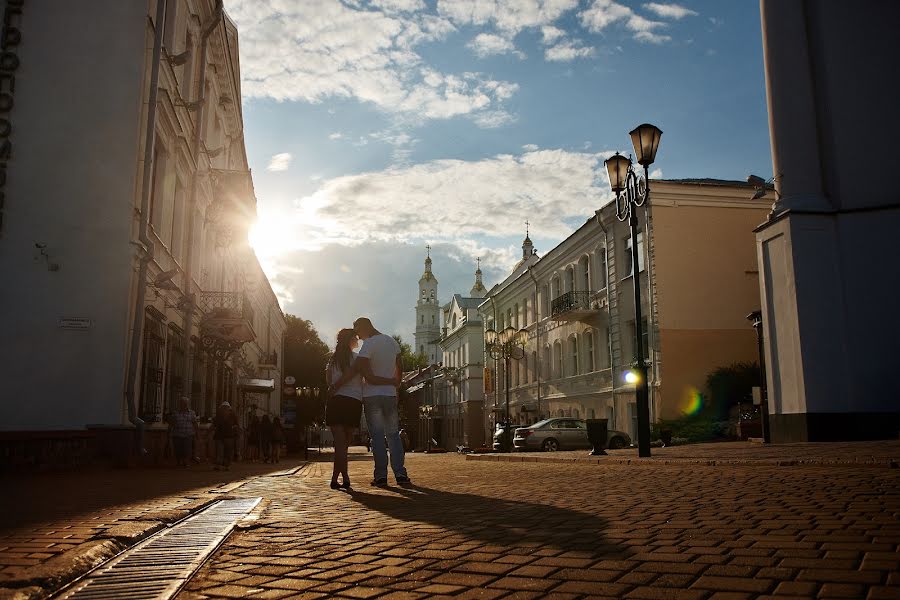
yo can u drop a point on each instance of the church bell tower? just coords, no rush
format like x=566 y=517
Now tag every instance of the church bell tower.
x=428 y=325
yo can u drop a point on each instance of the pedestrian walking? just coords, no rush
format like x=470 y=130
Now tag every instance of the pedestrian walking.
x=225 y=432
x=379 y=363
x=253 y=436
x=277 y=439
x=183 y=423
x=265 y=438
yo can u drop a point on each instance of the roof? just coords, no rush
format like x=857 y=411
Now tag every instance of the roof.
x=709 y=181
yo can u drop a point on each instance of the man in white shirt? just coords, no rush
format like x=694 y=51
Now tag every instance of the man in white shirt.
x=380 y=357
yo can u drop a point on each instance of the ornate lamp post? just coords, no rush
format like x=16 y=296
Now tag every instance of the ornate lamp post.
x=623 y=178
x=507 y=344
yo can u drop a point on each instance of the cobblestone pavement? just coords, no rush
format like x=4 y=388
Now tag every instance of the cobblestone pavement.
x=491 y=529
x=54 y=525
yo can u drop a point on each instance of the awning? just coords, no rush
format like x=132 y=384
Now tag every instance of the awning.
x=256 y=385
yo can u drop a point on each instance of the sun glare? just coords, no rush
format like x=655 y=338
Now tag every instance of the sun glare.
x=271 y=237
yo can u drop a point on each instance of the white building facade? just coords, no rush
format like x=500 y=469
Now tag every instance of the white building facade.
x=125 y=222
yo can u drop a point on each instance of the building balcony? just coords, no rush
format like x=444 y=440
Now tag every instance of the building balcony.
x=268 y=360
x=227 y=322
x=578 y=385
x=575 y=306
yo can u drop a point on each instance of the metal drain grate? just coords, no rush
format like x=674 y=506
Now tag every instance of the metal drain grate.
x=158 y=567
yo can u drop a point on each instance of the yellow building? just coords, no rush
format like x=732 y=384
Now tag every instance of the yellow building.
x=576 y=302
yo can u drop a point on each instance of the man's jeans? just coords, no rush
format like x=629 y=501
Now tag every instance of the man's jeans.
x=382 y=420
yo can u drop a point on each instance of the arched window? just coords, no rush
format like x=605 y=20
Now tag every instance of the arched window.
x=590 y=363
x=453 y=322
x=422 y=320
x=548 y=365
x=573 y=353
x=585 y=272
x=570 y=279
x=545 y=300
x=432 y=295
x=423 y=294
x=432 y=319
x=601 y=268
x=558 y=359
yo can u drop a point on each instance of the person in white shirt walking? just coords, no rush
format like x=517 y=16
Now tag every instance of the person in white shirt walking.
x=379 y=360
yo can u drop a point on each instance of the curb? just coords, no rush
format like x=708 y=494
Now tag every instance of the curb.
x=703 y=462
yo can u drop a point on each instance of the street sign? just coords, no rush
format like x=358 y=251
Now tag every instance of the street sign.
x=290 y=380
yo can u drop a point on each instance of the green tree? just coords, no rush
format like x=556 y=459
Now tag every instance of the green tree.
x=409 y=359
x=305 y=354
x=730 y=385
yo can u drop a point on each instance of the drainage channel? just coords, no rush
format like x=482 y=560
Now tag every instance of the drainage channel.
x=158 y=567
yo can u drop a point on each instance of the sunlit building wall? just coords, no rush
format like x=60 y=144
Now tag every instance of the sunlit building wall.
x=72 y=215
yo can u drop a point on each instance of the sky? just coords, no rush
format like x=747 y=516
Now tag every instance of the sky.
x=374 y=128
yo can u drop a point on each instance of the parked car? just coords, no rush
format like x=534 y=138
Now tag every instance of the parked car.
x=563 y=434
x=498 y=435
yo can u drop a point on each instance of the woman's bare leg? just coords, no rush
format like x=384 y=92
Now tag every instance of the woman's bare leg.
x=340 y=451
x=348 y=435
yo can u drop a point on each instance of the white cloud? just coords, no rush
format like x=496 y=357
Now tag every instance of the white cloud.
x=670 y=11
x=530 y=147
x=487 y=44
x=494 y=119
x=651 y=38
x=546 y=186
x=320 y=49
x=567 y=51
x=550 y=34
x=603 y=13
x=335 y=136
x=280 y=162
x=656 y=174
x=508 y=17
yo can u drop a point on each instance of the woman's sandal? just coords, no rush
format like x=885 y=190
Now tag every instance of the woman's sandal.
x=335 y=485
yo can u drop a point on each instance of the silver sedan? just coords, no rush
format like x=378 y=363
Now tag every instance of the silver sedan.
x=551 y=435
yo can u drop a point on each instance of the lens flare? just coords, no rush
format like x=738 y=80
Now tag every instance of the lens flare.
x=694 y=401
x=631 y=377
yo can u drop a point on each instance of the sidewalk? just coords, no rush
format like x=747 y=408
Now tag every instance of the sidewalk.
x=877 y=454
x=55 y=526
x=705 y=522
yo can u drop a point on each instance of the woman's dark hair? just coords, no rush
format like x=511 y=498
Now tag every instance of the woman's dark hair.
x=343 y=354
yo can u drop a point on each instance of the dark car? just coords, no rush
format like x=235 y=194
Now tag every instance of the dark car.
x=498 y=435
x=563 y=434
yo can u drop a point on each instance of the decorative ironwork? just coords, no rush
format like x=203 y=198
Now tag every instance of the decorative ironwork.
x=226 y=304
x=571 y=301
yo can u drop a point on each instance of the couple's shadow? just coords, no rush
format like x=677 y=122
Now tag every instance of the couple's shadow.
x=495 y=520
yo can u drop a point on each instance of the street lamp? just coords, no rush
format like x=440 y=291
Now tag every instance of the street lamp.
x=507 y=344
x=623 y=178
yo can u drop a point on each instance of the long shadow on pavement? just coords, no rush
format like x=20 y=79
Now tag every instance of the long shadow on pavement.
x=498 y=521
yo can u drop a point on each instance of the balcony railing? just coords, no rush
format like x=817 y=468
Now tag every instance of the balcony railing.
x=234 y=305
x=573 y=306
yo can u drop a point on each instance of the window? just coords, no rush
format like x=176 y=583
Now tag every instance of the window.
x=158 y=178
x=573 y=351
x=557 y=349
x=548 y=363
x=627 y=263
x=601 y=268
x=178 y=219
x=422 y=319
x=453 y=322
x=432 y=319
x=589 y=351
x=534 y=366
x=584 y=268
x=570 y=279
x=545 y=300
x=516 y=317
x=423 y=294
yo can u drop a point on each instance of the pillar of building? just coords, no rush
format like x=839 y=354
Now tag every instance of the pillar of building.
x=825 y=284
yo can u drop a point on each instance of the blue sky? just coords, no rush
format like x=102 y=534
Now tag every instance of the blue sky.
x=375 y=128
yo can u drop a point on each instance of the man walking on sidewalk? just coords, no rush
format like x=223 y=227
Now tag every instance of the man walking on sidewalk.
x=380 y=357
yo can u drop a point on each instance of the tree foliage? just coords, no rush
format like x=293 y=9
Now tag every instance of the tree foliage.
x=305 y=354
x=410 y=360
x=730 y=385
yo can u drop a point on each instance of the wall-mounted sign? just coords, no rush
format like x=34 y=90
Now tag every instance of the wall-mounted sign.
x=81 y=323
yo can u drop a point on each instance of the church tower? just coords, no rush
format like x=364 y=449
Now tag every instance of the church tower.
x=478 y=290
x=428 y=325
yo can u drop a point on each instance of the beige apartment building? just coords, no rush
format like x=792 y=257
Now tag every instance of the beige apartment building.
x=576 y=302
x=128 y=198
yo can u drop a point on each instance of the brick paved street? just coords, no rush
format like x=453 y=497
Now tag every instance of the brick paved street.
x=492 y=529
x=772 y=525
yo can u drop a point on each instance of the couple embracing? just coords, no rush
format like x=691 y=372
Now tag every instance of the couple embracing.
x=368 y=379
